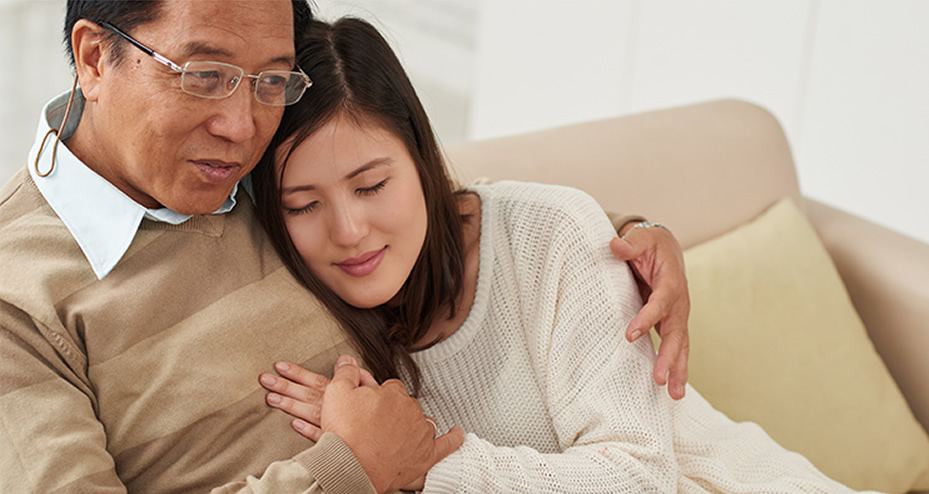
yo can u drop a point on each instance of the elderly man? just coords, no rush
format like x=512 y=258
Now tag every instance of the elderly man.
x=139 y=297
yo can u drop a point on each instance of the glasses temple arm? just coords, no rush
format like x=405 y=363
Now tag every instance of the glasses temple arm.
x=148 y=51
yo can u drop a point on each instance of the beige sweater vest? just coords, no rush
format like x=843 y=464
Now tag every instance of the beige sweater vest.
x=147 y=380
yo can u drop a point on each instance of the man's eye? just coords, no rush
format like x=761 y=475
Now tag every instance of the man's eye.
x=205 y=74
x=274 y=81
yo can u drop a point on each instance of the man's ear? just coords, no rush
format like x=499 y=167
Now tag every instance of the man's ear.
x=87 y=40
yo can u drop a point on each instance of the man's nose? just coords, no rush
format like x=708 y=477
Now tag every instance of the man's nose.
x=235 y=115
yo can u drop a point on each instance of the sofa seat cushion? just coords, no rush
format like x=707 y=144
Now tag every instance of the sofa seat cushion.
x=776 y=340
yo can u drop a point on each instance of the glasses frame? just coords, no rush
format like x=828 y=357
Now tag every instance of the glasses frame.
x=183 y=71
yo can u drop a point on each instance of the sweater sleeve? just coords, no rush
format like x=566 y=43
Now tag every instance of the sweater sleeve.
x=51 y=440
x=329 y=466
x=612 y=421
x=50 y=437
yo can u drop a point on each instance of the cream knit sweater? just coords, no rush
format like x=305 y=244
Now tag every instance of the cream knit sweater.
x=552 y=396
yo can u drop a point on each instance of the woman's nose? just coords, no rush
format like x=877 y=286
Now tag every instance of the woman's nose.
x=349 y=225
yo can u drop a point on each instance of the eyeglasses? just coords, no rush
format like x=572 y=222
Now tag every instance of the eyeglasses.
x=217 y=80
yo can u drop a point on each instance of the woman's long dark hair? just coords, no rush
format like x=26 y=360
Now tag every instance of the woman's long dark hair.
x=356 y=74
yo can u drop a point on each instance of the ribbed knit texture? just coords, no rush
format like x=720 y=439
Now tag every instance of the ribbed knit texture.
x=553 y=397
x=147 y=380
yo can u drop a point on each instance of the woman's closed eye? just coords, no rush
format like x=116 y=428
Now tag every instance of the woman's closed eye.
x=374 y=189
x=305 y=209
x=363 y=191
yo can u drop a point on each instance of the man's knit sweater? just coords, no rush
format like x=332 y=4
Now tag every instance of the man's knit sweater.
x=147 y=379
x=553 y=397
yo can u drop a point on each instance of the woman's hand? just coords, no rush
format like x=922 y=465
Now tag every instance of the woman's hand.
x=383 y=426
x=658 y=263
x=299 y=393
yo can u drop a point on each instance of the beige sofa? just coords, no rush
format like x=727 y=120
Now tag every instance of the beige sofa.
x=709 y=171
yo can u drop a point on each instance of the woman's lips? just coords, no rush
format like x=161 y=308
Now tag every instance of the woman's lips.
x=216 y=172
x=364 y=264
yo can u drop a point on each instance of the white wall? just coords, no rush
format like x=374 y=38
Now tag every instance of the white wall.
x=846 y=78
x=33 y=71
x=864 y=134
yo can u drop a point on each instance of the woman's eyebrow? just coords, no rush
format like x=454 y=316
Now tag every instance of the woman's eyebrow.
x=375 y=163
x=370 y=165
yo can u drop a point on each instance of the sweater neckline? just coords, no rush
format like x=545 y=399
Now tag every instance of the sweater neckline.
x=471 y=325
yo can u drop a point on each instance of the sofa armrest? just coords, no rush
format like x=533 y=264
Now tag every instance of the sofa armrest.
x=886 y=276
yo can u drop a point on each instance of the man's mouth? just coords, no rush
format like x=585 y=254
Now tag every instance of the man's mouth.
x=216 y=172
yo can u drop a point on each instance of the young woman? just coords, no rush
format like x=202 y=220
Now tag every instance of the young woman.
x=499 y=305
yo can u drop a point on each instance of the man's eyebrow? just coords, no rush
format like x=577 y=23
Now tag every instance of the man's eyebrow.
x=198 y=48
x=385 y=161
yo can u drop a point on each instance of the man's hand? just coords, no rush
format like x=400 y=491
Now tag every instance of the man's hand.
x=300 y=393
x=383 y=426
x=658 y=263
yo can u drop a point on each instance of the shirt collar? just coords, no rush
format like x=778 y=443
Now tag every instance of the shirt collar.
x=101 y=218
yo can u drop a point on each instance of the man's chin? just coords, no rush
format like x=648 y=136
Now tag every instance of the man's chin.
x=197 y=206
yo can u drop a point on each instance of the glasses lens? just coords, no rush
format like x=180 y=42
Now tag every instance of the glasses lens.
x=210 y=79
x=280 y=87
x=217 y=80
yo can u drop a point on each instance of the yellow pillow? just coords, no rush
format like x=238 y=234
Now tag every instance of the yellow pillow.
x=775 y=340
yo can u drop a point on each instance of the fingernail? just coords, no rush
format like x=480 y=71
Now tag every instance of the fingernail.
x=636 y=334
x=344 y=360
x=274 y=399
x=282 y=366
x=298 y=425
x=268 y=380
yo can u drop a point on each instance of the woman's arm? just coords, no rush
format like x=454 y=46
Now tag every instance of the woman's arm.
x=611 y=420
x=610 y=449
x=610 y=444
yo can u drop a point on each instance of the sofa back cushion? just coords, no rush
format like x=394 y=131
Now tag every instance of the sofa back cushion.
x=700 y=169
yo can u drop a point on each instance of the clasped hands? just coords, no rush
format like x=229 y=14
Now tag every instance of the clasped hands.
x=381 y=423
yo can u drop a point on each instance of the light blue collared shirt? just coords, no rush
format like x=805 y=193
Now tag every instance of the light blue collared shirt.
x=101 y=218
